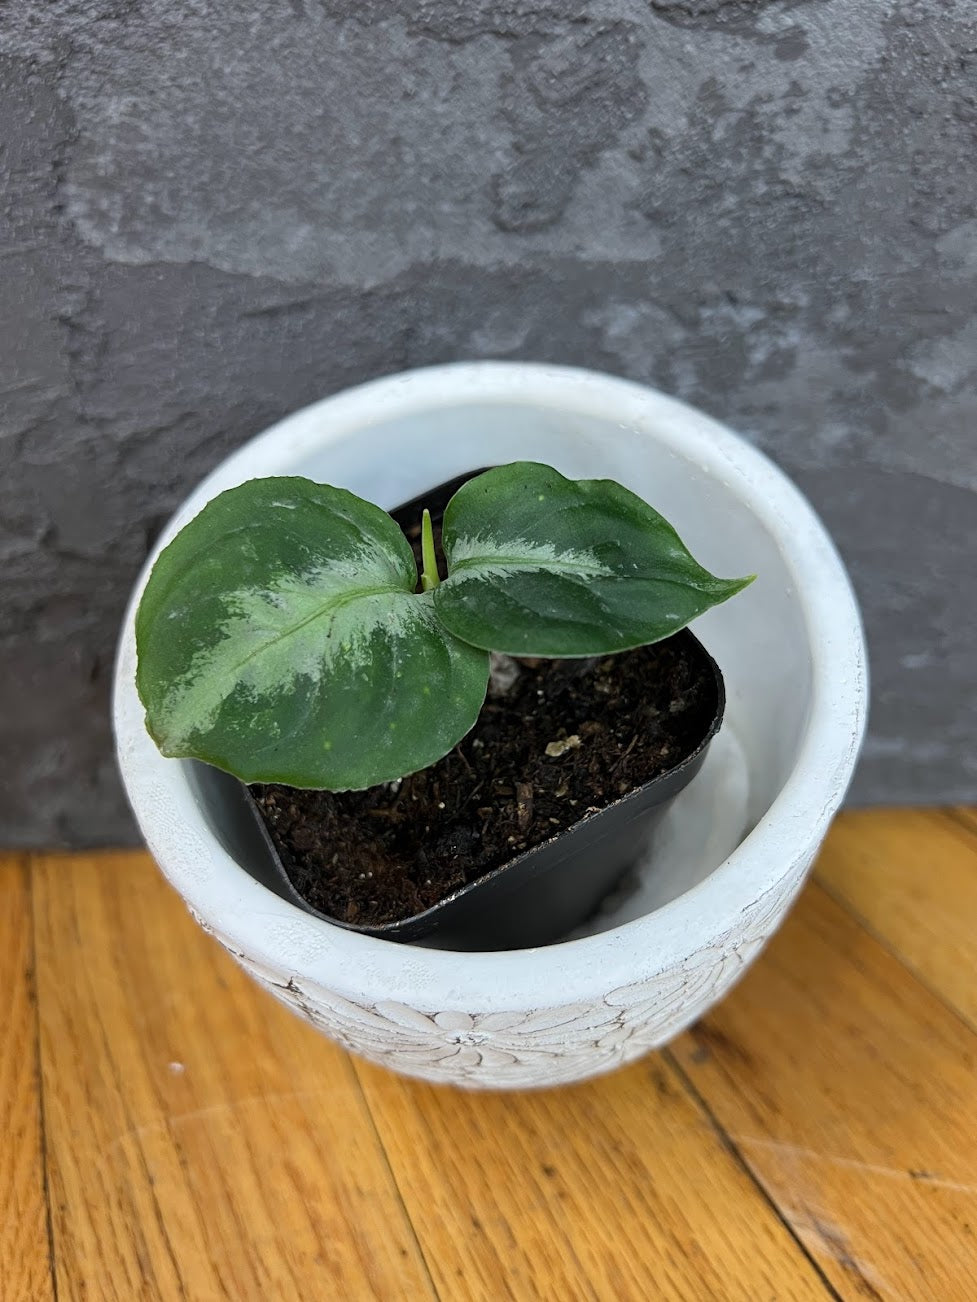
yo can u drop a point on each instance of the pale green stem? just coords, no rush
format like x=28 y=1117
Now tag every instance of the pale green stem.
x=429 y=571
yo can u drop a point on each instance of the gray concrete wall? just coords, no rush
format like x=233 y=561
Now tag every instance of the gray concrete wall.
x=214 y=213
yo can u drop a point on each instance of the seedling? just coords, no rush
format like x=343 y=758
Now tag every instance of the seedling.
x=284 y=634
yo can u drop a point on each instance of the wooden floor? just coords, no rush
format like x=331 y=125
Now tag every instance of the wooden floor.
x=167 y=1131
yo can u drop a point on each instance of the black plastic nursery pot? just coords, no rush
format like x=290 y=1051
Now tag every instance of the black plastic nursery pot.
x=543 y=893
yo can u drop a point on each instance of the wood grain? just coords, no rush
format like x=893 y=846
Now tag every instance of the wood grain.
x=615 y=1189
x=962 y=814
x=851 y=1091
x=911 y=876
x=202 y=1142
x=815 y=1136
x=25 y=1263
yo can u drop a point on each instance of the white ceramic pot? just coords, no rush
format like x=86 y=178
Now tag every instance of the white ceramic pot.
x=741 y=840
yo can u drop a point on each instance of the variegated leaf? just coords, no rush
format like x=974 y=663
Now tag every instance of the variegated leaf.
x=280 y=637
x=540 y=565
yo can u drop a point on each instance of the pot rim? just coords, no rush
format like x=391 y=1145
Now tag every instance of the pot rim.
x=270 y=930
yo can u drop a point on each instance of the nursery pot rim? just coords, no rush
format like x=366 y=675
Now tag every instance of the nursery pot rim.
x=269 y=929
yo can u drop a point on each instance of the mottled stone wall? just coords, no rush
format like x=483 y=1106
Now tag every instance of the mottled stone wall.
x=214 y=213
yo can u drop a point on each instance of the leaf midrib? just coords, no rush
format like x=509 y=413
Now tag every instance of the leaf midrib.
x=524 y=563
x=706 y=586
x=332 y=606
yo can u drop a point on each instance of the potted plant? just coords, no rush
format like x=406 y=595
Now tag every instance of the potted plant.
x=290 y=635
x=793 y=658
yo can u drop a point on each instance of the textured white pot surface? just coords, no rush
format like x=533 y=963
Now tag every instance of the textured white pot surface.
x=737 y=847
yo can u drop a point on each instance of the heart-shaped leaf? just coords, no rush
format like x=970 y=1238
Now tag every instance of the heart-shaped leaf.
x=280 y=637
x=540 y=565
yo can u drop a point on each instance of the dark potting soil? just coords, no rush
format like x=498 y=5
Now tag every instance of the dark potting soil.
x=564 y=739
x=569 y=737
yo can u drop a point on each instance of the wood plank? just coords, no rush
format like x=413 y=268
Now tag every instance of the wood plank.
x=203 y=1143
x=851 y=1090
x=911 y=875
x=619 y=1188
x=965 y=814
x=25 y=1261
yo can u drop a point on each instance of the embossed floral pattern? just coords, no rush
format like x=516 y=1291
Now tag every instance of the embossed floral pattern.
x=539 y=1047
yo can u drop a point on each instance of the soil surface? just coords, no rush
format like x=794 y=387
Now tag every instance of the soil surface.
x=555 y=741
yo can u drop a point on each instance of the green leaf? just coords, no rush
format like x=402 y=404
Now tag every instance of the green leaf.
x=540 y=565
x=280 y=638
